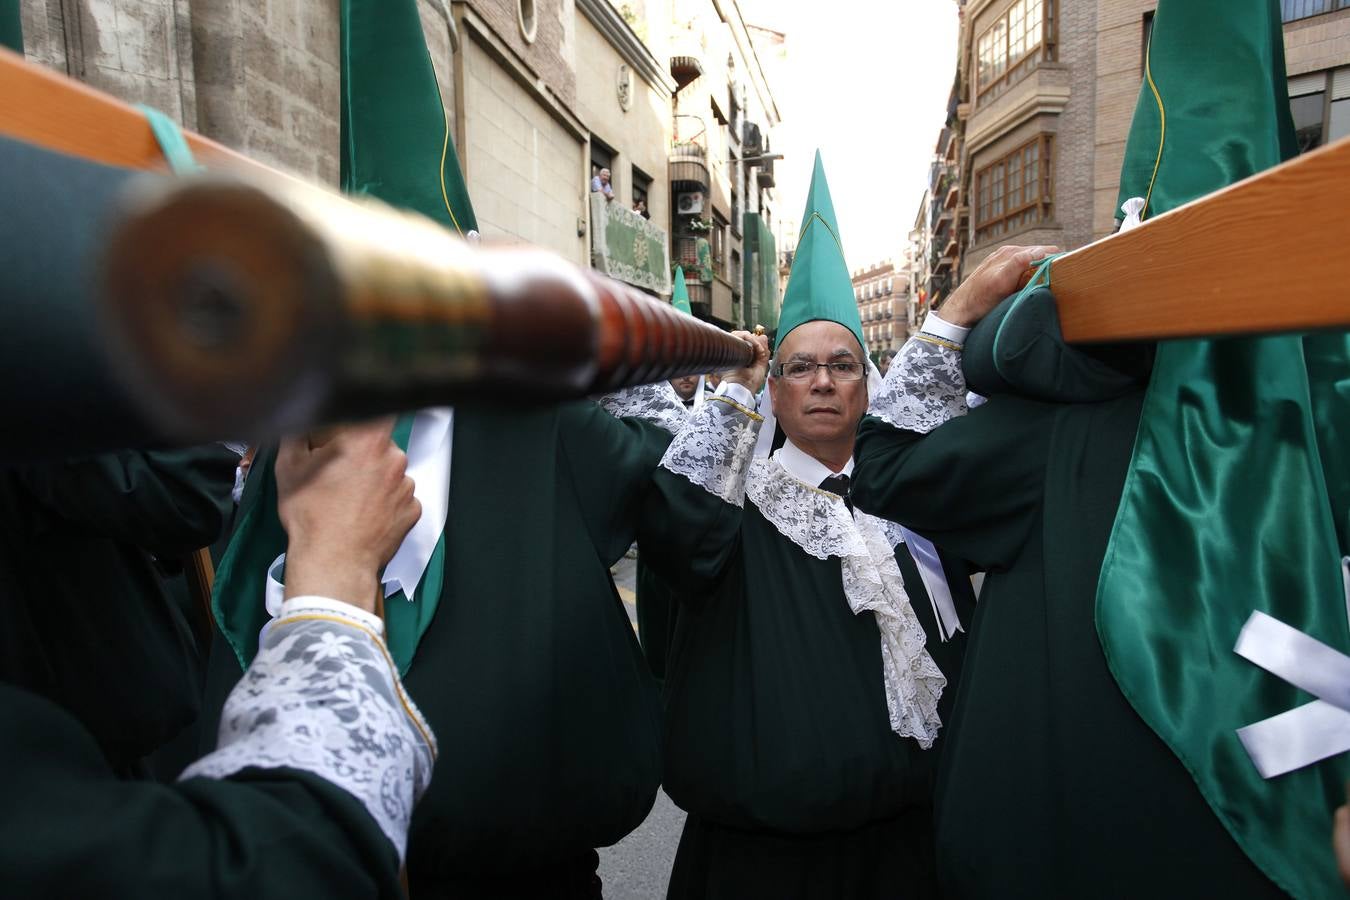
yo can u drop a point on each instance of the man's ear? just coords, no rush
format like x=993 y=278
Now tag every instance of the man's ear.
x=773 y=398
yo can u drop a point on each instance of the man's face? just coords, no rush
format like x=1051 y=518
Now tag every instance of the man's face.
x=885 y=365
x=685 y=386
x=604 y=176
x=819 y=409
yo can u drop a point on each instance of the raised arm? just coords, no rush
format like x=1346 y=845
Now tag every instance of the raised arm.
x=971 y=481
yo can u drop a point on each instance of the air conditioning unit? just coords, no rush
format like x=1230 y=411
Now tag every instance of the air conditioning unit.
x=689 y=204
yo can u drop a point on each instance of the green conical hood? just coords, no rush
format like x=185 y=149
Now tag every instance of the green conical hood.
x=679 y=297
x=819 y=286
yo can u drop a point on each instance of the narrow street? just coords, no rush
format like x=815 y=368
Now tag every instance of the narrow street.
x=638 y=867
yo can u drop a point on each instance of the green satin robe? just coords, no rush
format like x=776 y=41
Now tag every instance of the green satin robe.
x=778 y=741
x=1051 y=785
x=530 y=675
x=70 y=828
x=84 y=618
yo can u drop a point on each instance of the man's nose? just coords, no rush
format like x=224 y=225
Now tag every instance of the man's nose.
x=822 y=382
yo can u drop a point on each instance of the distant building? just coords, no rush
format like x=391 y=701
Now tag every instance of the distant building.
x=882 y=292
x=1036 y=125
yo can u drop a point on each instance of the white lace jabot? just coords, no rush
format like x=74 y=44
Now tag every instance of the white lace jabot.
x=819 y=523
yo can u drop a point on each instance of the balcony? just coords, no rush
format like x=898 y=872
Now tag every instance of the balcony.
x=685 y=69
x=1293 y=10
x=689 y=169
x=628 y=247
x=953 y=194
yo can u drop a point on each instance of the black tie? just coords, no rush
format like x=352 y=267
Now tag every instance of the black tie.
x=837 y=484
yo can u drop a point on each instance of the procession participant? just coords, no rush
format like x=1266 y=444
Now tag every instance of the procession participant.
x=126 y=667
x=321 y=755
x=1123 y=625
x=806 y=684
x=656 y=603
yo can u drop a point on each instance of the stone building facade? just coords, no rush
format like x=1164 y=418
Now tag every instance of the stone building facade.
x=538 y=93
x=1035 y=135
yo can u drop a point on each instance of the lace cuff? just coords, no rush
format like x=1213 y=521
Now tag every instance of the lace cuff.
x=323 y=696
x=714 y=448
x=924 y=387
x=655 y=403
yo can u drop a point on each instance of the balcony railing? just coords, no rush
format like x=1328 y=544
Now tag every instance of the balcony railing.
x=1293 y=10
x=628 y=247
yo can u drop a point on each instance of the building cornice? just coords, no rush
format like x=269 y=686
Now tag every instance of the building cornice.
x=606 y=18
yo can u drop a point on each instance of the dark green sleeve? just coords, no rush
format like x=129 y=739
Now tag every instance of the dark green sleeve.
x=685 y=532
x=69 y=829
x=167 y=502
x=972 y=486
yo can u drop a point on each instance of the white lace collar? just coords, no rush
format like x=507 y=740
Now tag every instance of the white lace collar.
x=805 y=467
x=819 y=523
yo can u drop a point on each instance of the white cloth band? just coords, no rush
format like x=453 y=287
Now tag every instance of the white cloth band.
x=429 y=446
x=934 y=577
x=939 y=327
x=1309 y=733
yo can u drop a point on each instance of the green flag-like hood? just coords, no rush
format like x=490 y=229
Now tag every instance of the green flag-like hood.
x=395 y=146
x=819 y=287
x=679 y=296
x=1226 y=509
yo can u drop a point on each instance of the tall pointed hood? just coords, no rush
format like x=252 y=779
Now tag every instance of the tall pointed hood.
x=679 y=297
x=819 y=286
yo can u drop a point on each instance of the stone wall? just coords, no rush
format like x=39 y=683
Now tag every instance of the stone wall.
x=261 y=77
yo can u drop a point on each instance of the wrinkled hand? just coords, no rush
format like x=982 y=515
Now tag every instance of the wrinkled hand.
x=1002 y=273
x=346 y=506
x=754 y=375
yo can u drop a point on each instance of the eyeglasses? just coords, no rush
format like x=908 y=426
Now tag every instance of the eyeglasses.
x=801 y=370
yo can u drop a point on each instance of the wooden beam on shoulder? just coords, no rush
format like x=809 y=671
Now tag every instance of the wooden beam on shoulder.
x=1268 y=254
x=49 y=110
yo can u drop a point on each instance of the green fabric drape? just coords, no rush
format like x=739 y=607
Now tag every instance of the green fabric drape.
x=396 y=142
x=395 y=145
x=1227 y=507
x=11 y=26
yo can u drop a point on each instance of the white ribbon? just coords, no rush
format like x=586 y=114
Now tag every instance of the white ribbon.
x=1133 y=208
x=1308 y=733
x=929 y=564
x=429 y=446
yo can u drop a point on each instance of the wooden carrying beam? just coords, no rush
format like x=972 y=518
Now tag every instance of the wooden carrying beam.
x=1267 y=254
x=40 y=107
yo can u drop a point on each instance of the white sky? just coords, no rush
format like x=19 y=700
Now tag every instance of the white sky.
x=867 y=82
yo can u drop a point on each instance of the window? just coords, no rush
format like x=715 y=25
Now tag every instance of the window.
x=1014 y=191
x=719 y=244
x=1014 y=45
x=1320 y=105
x=737 y=275
x=642 y=185
x=528 y=20
x=1292 y=10
x=602 y=157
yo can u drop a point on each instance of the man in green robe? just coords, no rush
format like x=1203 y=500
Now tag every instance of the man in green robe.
x=806 y=686
x=525 y=662
x=1052 y=785
x=321 y=756
x=127 y=666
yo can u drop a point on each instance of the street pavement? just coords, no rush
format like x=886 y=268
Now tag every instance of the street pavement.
x=638 y=867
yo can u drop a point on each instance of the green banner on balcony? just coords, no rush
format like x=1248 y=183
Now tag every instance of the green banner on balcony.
x=761 y=274
x=628 y=247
